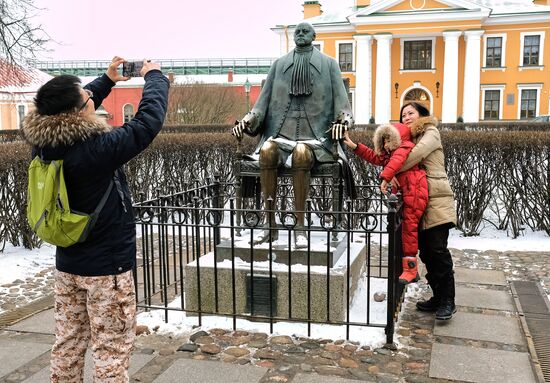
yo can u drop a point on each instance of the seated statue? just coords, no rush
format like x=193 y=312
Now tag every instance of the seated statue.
x=302 y=109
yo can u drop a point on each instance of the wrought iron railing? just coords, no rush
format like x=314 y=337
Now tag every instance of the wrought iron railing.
x=207 y=66
x=194 y=258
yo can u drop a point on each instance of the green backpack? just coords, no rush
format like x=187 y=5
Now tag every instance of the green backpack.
x=48 y=210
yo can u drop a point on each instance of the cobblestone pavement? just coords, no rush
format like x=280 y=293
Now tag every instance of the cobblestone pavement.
x=286 y=356
x=20 y=293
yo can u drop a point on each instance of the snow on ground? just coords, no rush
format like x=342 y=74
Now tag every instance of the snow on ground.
x=492 y=239
x=179 y=324
x=20 y=263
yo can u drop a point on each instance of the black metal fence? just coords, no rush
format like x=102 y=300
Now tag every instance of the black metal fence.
x=193 y=257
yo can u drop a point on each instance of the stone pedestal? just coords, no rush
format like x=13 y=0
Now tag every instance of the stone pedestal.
x=291 y=296
x=321 y=250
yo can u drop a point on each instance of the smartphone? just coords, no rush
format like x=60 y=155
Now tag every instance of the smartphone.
x=132 y=68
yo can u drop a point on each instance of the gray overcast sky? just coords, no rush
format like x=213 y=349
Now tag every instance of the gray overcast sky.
x=99 y=29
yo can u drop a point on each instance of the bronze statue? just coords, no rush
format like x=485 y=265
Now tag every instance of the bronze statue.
x=301 y=102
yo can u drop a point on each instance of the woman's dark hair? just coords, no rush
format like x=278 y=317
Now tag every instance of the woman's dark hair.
x=421 y=109
x=60 y=94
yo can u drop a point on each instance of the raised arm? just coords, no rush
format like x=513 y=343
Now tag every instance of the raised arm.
x=101 y=86
x=396 y=161
x=430 y=141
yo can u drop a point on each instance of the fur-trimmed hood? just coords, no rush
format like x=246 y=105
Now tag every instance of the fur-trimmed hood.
x=419 y=126
x=396 y=134
x=62 y=129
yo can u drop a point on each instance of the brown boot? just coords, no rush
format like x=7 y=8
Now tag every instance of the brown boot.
x=410 y=271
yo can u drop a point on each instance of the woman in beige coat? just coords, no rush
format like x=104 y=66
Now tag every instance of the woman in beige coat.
x=440 y=214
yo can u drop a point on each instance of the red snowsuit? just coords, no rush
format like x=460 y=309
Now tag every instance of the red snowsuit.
x=413 y=182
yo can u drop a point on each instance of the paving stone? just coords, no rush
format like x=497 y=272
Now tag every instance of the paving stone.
x=479 y=365
x=197 y=335
x=479 y=276
x=15 y=354
x=314 y=378
x=237 y=352
x=493 y=328
x=42 y=323
x=137 y=361
x=196 y=371
x=188 y=347
x=488 y=299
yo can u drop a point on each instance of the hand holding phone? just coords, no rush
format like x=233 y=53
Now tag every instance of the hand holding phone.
x=132 y=68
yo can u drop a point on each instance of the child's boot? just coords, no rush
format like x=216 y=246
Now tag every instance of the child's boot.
x=410 y=271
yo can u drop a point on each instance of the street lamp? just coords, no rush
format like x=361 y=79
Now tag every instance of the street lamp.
x=247 y=87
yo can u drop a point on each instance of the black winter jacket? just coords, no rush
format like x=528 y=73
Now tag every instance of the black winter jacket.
x=92 y=152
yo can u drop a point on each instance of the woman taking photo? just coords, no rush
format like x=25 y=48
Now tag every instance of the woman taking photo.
x=440 y=214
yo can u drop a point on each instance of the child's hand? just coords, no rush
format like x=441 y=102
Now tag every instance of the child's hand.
x=384 y=187
x=348 y=142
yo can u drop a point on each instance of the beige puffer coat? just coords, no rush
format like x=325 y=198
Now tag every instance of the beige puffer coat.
x=429 y=152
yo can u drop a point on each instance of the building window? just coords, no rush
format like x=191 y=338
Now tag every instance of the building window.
x=21 y=114
x=494 y=52
x=417 y=54
x=531 y=46
x=345 y=57
x=128 y=112
x=492 y=105
x=528 y=103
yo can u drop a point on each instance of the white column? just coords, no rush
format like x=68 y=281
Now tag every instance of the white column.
x=450 y=76
x=363 y=79
x=382 y=113
x=472 y=69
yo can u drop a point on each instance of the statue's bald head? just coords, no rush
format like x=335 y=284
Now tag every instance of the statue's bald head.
x=304 y=34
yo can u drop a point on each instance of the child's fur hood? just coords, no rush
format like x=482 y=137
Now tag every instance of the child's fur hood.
x=62 y=129
x=382 y=133
x=419 y=126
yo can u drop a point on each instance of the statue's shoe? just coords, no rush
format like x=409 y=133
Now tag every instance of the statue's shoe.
x=263 y=237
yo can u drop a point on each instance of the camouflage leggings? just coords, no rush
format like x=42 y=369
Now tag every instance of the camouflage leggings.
x=102 y=309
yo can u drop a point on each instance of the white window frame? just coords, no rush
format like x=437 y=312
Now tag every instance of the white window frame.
x=536 y=87
x=124 y=114
x=500 y=88
x=503 y=50
x=25 y=111
x=321 y=44
x=402 y=59
x=417 y=84
x=541 y=49
x=352 y=42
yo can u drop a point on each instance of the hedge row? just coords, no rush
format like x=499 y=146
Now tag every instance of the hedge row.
x=498 y=176
x=13 y=135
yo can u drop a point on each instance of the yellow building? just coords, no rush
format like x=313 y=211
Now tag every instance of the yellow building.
x=18 y=87
x=477 y=59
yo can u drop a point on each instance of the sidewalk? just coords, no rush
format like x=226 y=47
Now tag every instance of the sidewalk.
x=484 y=342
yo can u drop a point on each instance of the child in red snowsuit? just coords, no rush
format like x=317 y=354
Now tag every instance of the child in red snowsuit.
x=392 y=145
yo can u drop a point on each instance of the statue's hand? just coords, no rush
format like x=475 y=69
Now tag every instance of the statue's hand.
x=338 y=130
x=239 y=128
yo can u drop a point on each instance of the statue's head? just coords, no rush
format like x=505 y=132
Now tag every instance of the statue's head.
x=304 y=34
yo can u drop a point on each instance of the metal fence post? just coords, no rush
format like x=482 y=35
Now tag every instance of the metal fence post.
x=392 y=251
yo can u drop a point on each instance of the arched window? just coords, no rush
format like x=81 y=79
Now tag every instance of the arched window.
x=128 y=112
x=419 y=96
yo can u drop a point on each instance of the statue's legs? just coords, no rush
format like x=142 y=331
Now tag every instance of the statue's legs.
x=269 y=163
x=302 y=162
